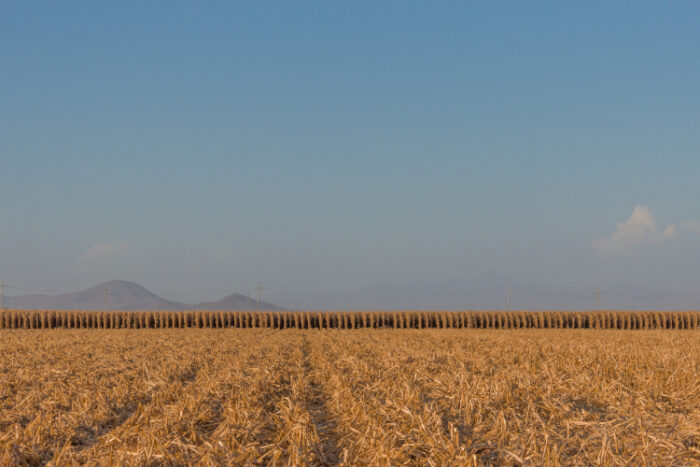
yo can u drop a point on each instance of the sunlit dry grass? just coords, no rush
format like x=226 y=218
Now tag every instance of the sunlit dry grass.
x=335 y=397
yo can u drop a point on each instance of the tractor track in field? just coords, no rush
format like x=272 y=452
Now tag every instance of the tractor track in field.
x=317 y=406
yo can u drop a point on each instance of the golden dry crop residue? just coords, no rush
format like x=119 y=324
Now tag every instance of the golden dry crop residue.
x=355 y=397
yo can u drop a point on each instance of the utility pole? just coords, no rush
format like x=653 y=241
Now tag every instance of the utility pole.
x=597 y=297
x=260 y=287
x=2 y=294
x=508 y=299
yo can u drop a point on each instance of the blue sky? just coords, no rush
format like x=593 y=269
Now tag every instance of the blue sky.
x=326 y=145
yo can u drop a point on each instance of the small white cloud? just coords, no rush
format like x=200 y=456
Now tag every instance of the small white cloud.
x=669 y=232
x=640 y=228
x=103 y=250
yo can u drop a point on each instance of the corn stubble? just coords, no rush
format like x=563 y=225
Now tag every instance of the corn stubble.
x=368 y=397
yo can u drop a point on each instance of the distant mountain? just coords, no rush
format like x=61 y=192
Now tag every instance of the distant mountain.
x=484 y=292
x=113 y=295
x=236 y=301
x=125 y=295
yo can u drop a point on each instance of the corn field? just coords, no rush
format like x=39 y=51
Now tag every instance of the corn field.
x=447 y=397
x=628 y=320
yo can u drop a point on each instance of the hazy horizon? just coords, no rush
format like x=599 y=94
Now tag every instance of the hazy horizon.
x=327 y=147
x=488 y=291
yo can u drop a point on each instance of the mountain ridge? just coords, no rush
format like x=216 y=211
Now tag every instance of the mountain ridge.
x=126 y=296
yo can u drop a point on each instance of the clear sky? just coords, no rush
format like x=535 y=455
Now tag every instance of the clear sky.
x=328 y=145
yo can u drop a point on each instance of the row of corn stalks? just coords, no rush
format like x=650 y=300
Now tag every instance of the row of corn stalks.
x=46 y=319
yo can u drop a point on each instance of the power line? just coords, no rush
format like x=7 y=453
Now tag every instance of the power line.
x=360 y=295
x=28 y=289
x=211 y=292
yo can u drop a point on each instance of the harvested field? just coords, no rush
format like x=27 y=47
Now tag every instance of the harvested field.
x=336 y=397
